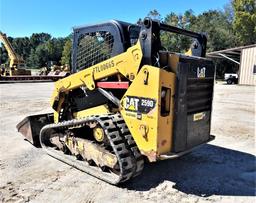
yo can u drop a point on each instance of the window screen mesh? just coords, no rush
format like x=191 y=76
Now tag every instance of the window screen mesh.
x=93 y=48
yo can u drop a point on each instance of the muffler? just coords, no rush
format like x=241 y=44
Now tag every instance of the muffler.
x=30 y=127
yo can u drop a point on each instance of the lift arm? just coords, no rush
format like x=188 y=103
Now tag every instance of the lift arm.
x=15 y=60
x=127 y=64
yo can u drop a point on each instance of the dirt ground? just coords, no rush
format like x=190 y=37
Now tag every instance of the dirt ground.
x=221 y=171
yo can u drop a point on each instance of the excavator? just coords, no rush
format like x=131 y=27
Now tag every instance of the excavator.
x=16 y=70
x=17 y=64
x=127 y=101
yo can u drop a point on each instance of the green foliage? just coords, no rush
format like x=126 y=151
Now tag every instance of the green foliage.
x=38 y=50
x=55 y=48
x=33 y=60
x=218 y=29
x=44 y=53
x=216 y=24
x=174 y=42
x=39 y=38
x=22 y=46
x=233 y=26
x=3 y=55
x=154 y=14
x=38 y=57
x=93 y=49
x=66 y=53
x=245 y=20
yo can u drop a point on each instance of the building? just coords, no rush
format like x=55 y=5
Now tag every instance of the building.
x=245 y=57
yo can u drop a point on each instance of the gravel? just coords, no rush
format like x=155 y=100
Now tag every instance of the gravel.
x=222 y=171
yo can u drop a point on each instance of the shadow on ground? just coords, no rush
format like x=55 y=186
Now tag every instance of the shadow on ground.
x=206 y=171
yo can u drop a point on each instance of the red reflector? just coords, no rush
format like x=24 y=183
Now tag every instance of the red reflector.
x=113 y=85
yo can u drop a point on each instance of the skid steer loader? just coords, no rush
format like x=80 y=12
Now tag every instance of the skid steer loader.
x=127 y=100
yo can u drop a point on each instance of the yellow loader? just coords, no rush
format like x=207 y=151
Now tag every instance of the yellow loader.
x=127 y=100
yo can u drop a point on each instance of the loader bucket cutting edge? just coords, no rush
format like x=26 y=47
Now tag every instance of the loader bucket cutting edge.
x=30 y=127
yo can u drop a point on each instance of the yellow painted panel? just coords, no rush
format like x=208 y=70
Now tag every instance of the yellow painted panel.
x=102 y=109
x=143 y=127
x=141 y=110
x=173 y=61
x=165 y=122
x=126 y=63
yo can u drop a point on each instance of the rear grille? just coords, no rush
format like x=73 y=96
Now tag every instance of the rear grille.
x=199 y=94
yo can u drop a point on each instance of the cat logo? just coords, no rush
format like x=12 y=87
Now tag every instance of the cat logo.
x=131 y=103
x=138 y=104
x=201 y=72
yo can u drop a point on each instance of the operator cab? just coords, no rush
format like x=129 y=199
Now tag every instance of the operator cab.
x=96 y=43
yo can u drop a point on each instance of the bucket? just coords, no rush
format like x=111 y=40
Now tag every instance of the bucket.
x=30 y=127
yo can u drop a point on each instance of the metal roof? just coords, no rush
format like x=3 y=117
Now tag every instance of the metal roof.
x=232 y=54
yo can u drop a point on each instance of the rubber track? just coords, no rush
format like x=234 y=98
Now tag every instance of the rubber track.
x=127 y=160
x=130 y=143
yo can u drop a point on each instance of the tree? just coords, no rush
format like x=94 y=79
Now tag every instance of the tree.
x=54 y=49
x=39 y=38
x=245 y=21
x=93 y=49
x=3 y=55
x=229 y=12
x=21 y=46
x=33 y=60
x=38 y=57
x=37 y=50
x=174 y=42
x=219 y=30
x=154 y=14
x=66 y=53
